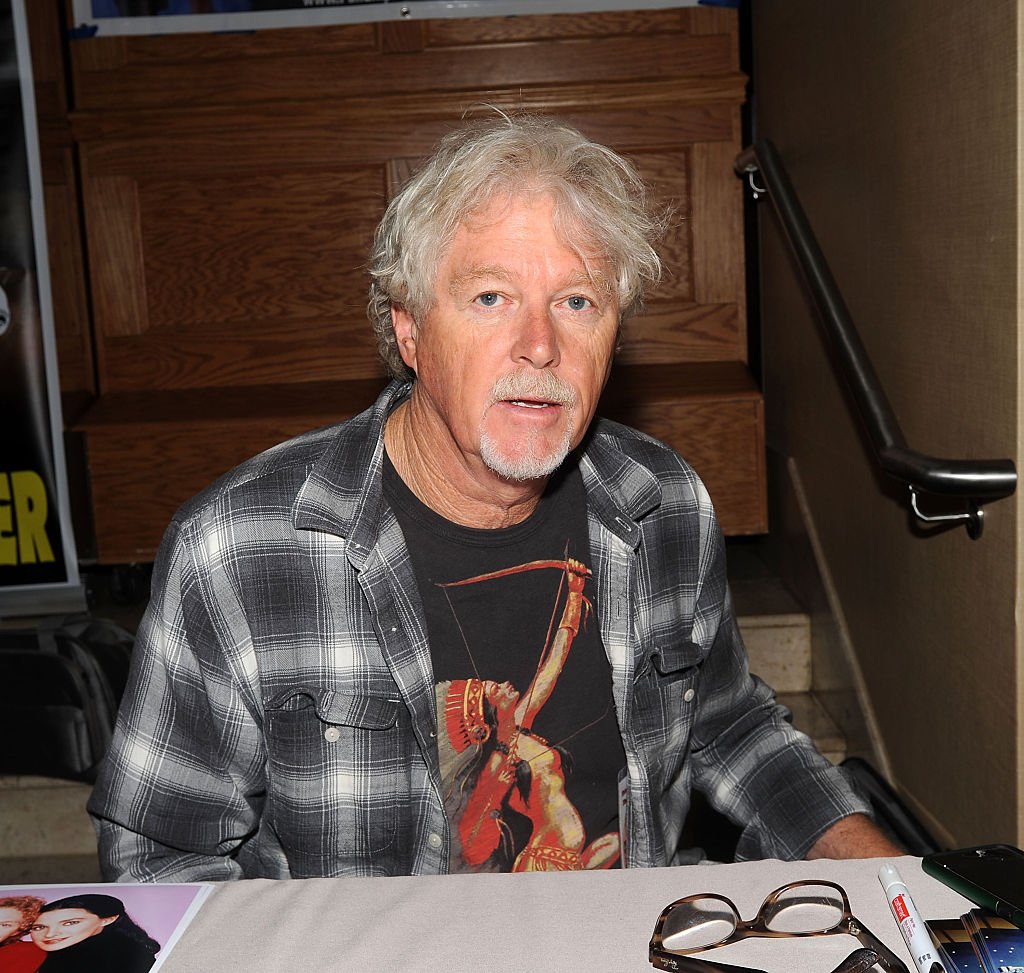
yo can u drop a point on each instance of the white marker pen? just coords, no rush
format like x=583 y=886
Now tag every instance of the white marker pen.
x=915 y=932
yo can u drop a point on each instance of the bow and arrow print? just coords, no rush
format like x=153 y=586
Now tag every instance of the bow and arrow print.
x=506 y=765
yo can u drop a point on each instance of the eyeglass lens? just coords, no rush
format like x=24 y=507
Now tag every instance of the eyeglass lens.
x=704 y=922
x=805 y=908
x=698 y=924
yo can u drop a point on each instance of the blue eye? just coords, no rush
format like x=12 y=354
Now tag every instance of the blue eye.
x=489 y=299
x=577 y=303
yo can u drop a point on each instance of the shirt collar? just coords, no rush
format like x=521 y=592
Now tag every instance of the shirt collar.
x=343 y=492
x=620 y=489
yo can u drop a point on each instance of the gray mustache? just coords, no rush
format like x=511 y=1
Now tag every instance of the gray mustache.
x=544 y=385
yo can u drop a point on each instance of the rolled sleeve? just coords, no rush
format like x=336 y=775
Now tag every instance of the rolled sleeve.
x=754 y=766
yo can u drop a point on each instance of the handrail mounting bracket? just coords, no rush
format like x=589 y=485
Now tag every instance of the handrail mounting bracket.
x=973 y=518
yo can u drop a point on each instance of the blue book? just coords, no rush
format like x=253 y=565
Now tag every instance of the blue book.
x=954 y=945
x=998 y=943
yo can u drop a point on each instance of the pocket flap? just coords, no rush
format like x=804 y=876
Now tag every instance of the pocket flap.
x=673 y=660
x=367 y=712
x=342 y=709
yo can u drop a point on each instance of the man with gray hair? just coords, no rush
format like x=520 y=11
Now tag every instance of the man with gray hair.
x=473 y=628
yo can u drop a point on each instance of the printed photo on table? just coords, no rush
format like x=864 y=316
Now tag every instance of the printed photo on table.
x=87 y=928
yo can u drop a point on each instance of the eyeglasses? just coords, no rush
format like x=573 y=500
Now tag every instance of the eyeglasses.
x=808 y=908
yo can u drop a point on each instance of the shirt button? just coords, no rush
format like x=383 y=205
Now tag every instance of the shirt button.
x=688 y=695
x=435 y=841
x=331 y=734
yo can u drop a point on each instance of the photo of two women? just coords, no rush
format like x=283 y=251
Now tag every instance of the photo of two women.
x=65 y=929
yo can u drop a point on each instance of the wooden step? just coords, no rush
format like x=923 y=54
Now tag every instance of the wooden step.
x=777 y=634
x=712 y=413
x=149 y=452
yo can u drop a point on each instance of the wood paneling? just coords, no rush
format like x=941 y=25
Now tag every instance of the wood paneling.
x=233 y=81
x=44 y=30
x=682 y=332
x=713 y=414
x=458 y=32
x=67 y=275
x=717 y=225
x=115 y=244
x=162 y=447
x=205 y=243
x=377 y=60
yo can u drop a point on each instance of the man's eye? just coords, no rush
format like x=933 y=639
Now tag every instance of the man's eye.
x=577 y=303
x=489 y=299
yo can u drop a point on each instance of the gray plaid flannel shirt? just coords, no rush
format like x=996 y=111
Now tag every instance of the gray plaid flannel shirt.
x=280 y=722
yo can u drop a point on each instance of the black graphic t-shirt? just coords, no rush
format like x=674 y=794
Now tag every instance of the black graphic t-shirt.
x=527 y=734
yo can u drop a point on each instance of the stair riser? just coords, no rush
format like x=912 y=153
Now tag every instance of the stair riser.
x=779 y=651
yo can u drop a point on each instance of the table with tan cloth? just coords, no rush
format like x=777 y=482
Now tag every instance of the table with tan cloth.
x=588 y=921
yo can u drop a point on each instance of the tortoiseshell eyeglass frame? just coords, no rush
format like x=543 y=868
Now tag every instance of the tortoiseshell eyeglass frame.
x=680 y=961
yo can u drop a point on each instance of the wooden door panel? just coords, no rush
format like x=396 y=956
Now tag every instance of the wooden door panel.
x=667 y=175
x=682 y=333
x=67 y=275
x=115 y=246
x=247 y=80
x=260 y=248
x=213 y=258
x=229 y=280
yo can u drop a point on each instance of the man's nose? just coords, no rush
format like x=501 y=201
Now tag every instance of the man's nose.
x=536 y=340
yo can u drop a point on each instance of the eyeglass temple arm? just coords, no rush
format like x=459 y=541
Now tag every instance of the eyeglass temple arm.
x=859 y=961
x=690 y=964
x=886 y=956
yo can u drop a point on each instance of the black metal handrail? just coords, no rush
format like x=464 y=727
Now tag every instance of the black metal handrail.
x=975 y=481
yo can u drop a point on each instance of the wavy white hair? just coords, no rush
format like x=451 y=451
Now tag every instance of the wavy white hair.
x=601 y=208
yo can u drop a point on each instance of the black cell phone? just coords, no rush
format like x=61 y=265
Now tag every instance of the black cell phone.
x=991 y=876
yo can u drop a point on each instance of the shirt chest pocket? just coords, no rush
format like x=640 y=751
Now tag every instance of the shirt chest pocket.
x=298 y=714
x=675 y=663
x=668 y=694
x=336 y=768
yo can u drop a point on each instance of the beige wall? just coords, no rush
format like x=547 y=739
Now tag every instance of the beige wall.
x=897 y=120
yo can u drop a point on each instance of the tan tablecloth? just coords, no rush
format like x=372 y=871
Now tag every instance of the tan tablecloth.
x=593 y=922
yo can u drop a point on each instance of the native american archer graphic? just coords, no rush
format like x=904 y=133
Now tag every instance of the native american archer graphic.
x=507 y=766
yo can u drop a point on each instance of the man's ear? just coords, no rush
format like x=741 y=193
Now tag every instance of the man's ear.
x=405 y=334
